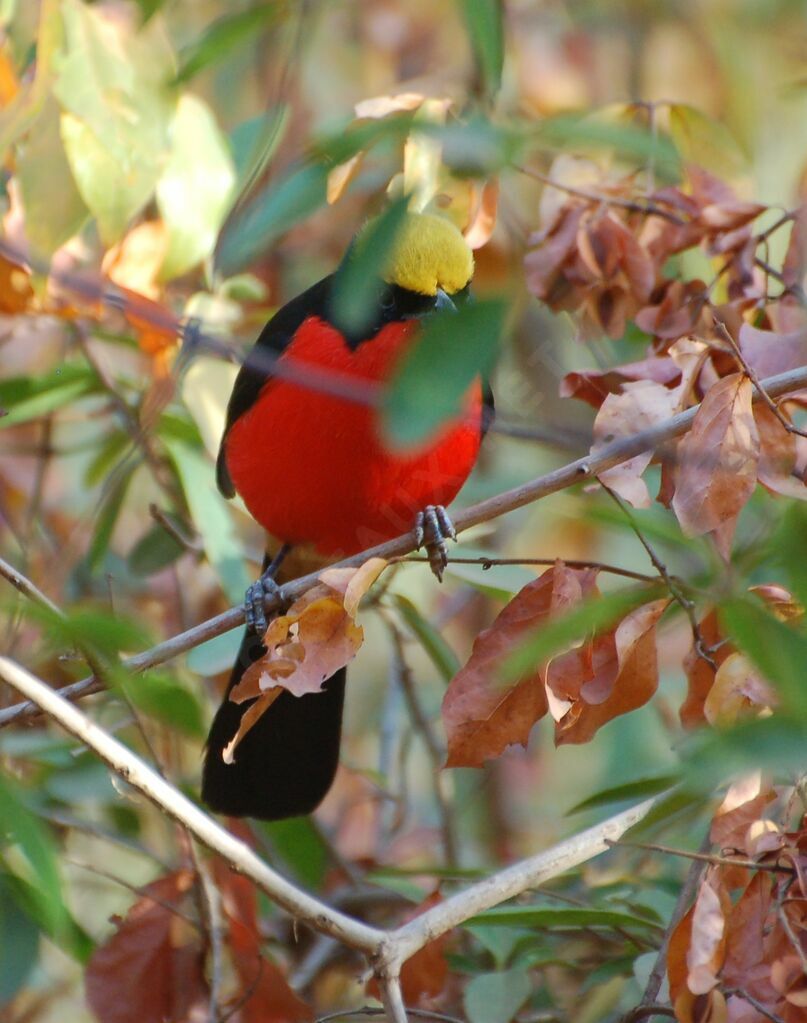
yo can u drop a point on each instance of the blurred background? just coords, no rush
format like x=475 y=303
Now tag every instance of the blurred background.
x=107 y=501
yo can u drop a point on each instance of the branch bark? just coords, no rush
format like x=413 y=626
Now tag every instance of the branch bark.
x=386 y=950
x=581 y=469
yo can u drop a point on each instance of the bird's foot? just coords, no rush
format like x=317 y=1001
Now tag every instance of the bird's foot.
x=265 y=586
x=433 y=527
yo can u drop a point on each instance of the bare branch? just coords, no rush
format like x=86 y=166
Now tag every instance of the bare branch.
x=177 y=806
x=387 y=950
x=558 y=479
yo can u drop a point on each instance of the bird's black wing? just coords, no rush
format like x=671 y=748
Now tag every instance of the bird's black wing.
x=257 y=367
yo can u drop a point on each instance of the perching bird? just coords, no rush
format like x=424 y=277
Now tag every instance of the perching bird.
x=313 y=469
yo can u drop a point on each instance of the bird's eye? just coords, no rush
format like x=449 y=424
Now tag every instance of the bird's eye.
x=387 y=301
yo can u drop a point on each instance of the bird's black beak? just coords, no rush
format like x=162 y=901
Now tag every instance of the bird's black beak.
x=442 y=302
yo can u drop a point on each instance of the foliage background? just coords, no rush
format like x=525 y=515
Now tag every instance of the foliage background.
x=104 y=436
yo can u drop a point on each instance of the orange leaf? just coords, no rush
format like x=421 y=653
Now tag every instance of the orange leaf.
x=483 y=218
x=718 y=459
x=16 y=293
x=482 y=713
x=624 y=675
x=307 y=645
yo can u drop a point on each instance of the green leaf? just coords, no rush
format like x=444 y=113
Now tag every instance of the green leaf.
x=774 y=744
x=590 y=616
x=118 y=108
x=64 y=932
x=601 y=130
x=497 y=997
x=112 y=193
x=52 y=215
x=359 y=279
x=211 y=516
x=216 y=655
x=299 y=844
x=19 y=944
x=439 y=651
x=778 y=650
x=632 y=790
x=452 y=350
x=154 y=551
x=194 y=190
x=483 y=19
x=253 y=143
x=25 y=398
x=560 y=919
x=21 y=828
x=275 y=210
x=704 y=141
x=108 y=454
x=111 y=504
x=162 y=697
x=224 y=36
x=107 y=633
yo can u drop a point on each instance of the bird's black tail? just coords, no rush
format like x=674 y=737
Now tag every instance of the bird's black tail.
x=286 y=763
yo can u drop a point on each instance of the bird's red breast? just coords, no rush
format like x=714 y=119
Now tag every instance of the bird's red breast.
x=313 y=467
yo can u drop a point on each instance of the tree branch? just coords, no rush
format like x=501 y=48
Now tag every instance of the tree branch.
x=581 y=469
x=386 y=950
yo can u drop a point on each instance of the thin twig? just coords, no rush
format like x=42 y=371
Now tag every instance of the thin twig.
x=489 y=562
x=739 y=992
x=647 y=207
x=793 y=938
x=558 y=479
x=188 y=543
x=725 y=334
x=673 y=584
x=701 y=857
x=685 y=897
x=27 y=588
x=370 y=1010
x=436 y=752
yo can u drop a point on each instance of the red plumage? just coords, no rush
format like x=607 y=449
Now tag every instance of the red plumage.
x=313 y=467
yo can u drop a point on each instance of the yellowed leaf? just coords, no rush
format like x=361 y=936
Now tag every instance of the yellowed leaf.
x=134 y=263
x=738 y=688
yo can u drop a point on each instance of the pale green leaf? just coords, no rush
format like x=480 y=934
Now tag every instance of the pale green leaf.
x=194 y=190
x=52 y=215
x=497 y=997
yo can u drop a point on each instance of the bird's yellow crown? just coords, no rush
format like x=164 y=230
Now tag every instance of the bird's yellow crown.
x=430 y=253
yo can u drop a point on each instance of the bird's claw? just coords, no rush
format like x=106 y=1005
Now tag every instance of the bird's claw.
x=433 y=527
x=256 y=594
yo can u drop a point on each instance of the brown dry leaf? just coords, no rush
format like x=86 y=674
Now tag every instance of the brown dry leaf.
x=640 y=405
x=482 y=713
x=677 y=955
x=778 y=454
x=718 y=459
x=699 y=672
x=744 y=803
x=707 y=1008
x=152 y=968
x=738 y=689
x=768 y=353
x=265 y=995
x=624 y=676
x=707 y=946
x=316 y=637
x=746 y=964
x=593 y=386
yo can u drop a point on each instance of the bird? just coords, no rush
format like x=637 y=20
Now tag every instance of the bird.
x=315 y=471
